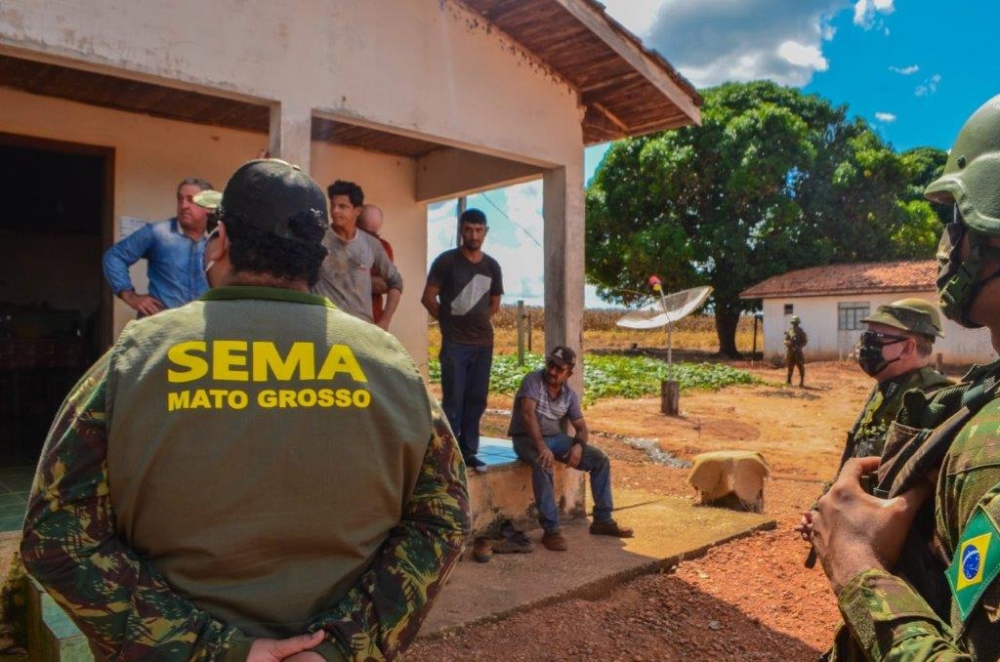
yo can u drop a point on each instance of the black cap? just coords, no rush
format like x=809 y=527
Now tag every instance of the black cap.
x=266 y=193
x=562 y=356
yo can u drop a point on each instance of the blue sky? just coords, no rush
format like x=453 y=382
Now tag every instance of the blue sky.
x=914 y=69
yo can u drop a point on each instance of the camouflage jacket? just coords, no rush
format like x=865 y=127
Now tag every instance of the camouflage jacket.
x=795 y=340
x=889 y=619
x=867 y=437
x=129 y=611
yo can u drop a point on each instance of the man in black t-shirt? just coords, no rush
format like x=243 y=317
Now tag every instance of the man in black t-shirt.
x=463 y=292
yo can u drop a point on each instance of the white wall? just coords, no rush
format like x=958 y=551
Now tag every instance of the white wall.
x=424 y=68
x=427 y=67
x=388 y=183
x=819 y=317
x=152 y=155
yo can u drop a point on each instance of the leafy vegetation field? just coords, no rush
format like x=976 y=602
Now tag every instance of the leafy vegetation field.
x=608 y=374
x=614 y=375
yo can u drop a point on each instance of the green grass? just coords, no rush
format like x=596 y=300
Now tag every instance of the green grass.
x=608 y=376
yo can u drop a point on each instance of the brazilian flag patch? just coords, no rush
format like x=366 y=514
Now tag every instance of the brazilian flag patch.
x=976 y=562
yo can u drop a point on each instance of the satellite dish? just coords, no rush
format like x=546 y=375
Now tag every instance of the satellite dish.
x=667 y=310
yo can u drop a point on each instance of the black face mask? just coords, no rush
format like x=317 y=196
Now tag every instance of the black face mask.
x=870 y=351
x=957 y=281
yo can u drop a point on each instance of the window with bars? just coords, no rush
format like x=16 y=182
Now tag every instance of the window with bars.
x=849 y=315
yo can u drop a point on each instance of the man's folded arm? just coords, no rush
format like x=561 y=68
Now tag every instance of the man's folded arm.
x=383 y=611
x=124 y=254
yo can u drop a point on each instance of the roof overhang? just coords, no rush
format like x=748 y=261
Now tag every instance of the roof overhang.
x=626 y=89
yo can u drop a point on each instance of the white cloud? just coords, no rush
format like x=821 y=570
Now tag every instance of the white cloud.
x=714 y=41
x=518 y=250
x=905 y=71
x=885 y=118
x=929 y=86
x=636 y=15
x=866 y=12
x=803 y=55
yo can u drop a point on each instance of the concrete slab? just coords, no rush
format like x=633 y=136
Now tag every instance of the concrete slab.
x=668 y=530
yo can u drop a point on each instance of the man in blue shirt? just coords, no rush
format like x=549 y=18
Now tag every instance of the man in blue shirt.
x=173 y=249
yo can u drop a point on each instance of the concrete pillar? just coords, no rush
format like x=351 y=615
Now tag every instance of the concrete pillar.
x=291 y=134
x=563 y=210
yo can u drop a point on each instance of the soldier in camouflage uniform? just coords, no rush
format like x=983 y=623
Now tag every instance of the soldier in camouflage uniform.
x=795 y=340
x=895 y=350
x=859 y=538
x=255 y=475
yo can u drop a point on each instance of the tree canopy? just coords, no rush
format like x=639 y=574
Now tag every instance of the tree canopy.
x=773 y=180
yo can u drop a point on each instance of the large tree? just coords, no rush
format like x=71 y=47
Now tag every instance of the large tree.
x=772 y=180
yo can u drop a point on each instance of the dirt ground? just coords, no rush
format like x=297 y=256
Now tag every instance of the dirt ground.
x=751 y=599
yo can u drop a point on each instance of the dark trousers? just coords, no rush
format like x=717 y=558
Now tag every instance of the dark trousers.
x=465 y=385
x=796 y=360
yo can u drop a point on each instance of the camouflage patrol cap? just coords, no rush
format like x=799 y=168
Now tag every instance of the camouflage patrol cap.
x=208 y=199
x=911 y=314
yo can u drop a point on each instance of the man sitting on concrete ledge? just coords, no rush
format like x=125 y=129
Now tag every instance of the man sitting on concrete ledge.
x=543 y=405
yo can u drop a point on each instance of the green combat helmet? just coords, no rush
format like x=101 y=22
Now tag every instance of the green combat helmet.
x=912 y=314
x=971 y=177
x=795 y=320
x=971 y=181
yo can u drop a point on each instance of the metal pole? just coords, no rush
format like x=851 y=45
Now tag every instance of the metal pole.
x=529 y=330
x=462 y=203
x=753 y=351
x=670 y=352
x=520 y=332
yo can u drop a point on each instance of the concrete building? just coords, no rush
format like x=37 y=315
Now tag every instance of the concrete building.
x=106 y=105
x=417 y=101
x=831 y=300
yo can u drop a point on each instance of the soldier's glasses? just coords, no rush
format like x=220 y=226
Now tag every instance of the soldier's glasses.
x=871 y=338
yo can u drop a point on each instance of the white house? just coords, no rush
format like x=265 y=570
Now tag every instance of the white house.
x=106 y=105
x=831 y=300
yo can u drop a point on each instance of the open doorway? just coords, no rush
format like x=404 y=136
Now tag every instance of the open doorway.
x=54 y=309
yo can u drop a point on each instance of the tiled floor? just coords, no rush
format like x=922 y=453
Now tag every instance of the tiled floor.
x=15 y=481
x=20 y=446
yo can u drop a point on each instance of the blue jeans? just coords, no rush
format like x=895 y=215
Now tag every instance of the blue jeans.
x=593 y=461
x=465 y=385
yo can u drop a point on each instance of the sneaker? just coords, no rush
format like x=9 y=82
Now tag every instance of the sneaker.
x=610 y=528
x=554 y=541
x=476 y=465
